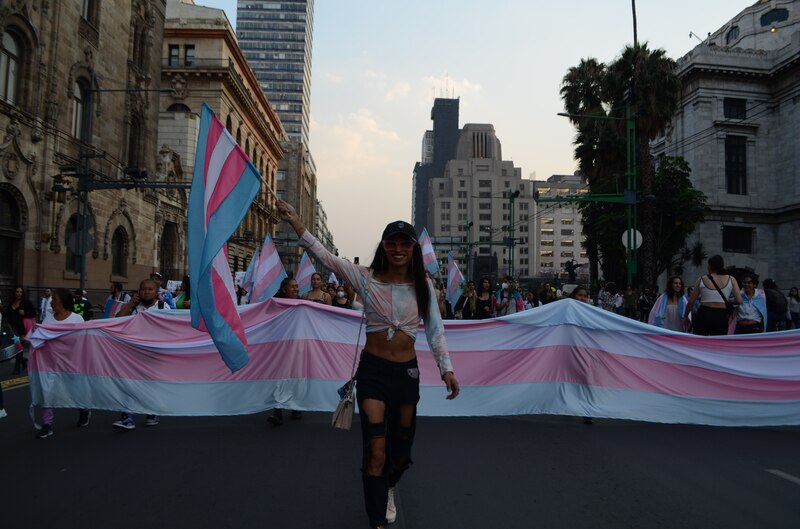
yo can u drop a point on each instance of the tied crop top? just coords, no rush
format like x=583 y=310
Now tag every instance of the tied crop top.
x=710 y=295
x=389 y=306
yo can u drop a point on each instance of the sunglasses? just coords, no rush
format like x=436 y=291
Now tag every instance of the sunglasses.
x=397 y=244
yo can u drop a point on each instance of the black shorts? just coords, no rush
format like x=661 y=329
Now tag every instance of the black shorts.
x=394 y=383
x=710 y=321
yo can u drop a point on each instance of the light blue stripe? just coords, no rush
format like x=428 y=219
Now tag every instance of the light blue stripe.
x=62 y=390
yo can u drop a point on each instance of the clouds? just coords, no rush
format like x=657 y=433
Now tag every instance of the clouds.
x=400 y=90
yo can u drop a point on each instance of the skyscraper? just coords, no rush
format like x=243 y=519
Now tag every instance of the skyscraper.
x=276 y=38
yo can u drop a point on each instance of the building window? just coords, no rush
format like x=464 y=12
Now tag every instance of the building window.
x=460 y=171
x=734 y=108
x=548 y=220
x=548 y=231
x=732 y=35
x=484 y=183
x=462 y=183
x=484 y=205
x=485 y=216
x=178 y=107
x=737 y=239
x=174 y=55
x=566 y=221
x=506 y=183
x=736 y=165
x=72 y=240
x=547 y=242
x=119 y=242
x=135 y=143
x=568 y=254
x=281 y=175
x=567 y=232
x=188 y=59
x=776 y=15
x=441 y=186
x=9 y=67
x=462 y=194
x=78 y=110
x=567 y=242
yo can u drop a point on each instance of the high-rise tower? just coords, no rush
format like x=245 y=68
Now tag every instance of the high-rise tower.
x=276 y=38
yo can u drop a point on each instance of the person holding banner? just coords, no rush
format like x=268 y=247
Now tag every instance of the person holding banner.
x=396 y=296
x=115 y=300
x=317 y=293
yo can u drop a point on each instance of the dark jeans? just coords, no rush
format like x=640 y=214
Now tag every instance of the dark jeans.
x=396 y=384
x=710 y=321
x=754 y=328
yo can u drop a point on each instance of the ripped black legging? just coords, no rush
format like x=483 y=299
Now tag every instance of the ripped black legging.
x=387 y=394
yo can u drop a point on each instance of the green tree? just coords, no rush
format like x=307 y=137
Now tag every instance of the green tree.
x=679 y=208
x=647 y=79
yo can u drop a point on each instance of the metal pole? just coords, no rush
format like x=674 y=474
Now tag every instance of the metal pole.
x=84 y=180
x=511 y=233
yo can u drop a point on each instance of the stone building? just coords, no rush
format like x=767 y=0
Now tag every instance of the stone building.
x=737 y=125
x=297 y=184
x=76 y=89
x=472 y=202
x=202 y=62
x=558 y=235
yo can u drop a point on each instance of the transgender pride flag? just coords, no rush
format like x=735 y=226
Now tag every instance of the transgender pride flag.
x=454 y=280
x=223 y=187
x=428 y=254
x=268 y=273
x=303 y=276
x=247 y=282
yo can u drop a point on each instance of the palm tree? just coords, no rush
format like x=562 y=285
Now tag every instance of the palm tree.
x=595 y=89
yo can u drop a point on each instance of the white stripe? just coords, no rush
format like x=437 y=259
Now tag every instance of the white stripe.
x=784 y=475
x=221 y=151
x=220 y=264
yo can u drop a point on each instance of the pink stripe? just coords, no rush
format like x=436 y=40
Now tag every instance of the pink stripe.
x=326 y=360
x=214 y=132
x=225 y=305
x=229 y=177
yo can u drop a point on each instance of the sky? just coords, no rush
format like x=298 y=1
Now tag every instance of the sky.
x=378 y=64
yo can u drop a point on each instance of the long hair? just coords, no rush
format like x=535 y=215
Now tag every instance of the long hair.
x=480 y=288
x=669 y=292
x=796 y=295
x=416 y=268
x=281 y=293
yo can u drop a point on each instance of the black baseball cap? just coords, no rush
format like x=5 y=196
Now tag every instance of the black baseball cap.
x=399 y=227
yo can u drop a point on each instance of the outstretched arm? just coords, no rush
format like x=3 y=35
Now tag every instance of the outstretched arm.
x=288 y=213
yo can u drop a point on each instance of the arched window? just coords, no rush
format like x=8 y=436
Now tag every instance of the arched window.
x=10 y=51
x=79 y=110
x=72 y=242
x=135 y=142
x=229 y=124
x=239 y=135
x=247 y=147
x=178 y=107
x=10 y=237
x=119 y=243
x=139 y=48
x=169 y=251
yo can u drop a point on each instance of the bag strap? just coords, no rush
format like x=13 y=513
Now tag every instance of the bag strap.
x=360 y=326
x=727 y=303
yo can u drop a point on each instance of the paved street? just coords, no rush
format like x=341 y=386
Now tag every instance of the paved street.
x=520 y=472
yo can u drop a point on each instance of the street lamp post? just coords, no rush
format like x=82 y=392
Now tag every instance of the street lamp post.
x=511 y=242
x=629 y=197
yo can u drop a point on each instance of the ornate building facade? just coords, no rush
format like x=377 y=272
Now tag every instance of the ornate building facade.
x=77 y=89
x=202 y=62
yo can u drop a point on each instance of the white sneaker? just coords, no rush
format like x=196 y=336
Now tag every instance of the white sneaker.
x=3 y=413
x=391 y=508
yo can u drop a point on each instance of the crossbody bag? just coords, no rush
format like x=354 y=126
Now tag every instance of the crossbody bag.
x=729 y=308
x=343 y=414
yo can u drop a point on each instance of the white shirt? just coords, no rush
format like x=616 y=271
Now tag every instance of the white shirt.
x=154 y=306
x=73 y=317
x=46 y=308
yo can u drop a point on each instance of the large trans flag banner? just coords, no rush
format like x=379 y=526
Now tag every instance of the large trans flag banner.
x=564 y=358
x=223 y=187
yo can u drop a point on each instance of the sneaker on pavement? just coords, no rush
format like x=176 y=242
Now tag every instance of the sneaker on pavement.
x=151 y=420
x=3 y=413
x=83 y=418
x=126 y=422
x=46 y=431
x=391 y=507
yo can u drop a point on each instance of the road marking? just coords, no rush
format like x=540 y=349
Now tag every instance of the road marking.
x=784 y=475
x=12 y=383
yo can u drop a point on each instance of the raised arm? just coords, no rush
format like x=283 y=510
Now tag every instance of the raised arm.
x=355 y=274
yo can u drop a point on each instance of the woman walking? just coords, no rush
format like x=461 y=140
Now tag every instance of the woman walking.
x=751 y=315
x=62 y=302
x=21 y=315
x=714 y=290
x=317 y=293
x=396 y=296
x=668 y=310
x=484 y=302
